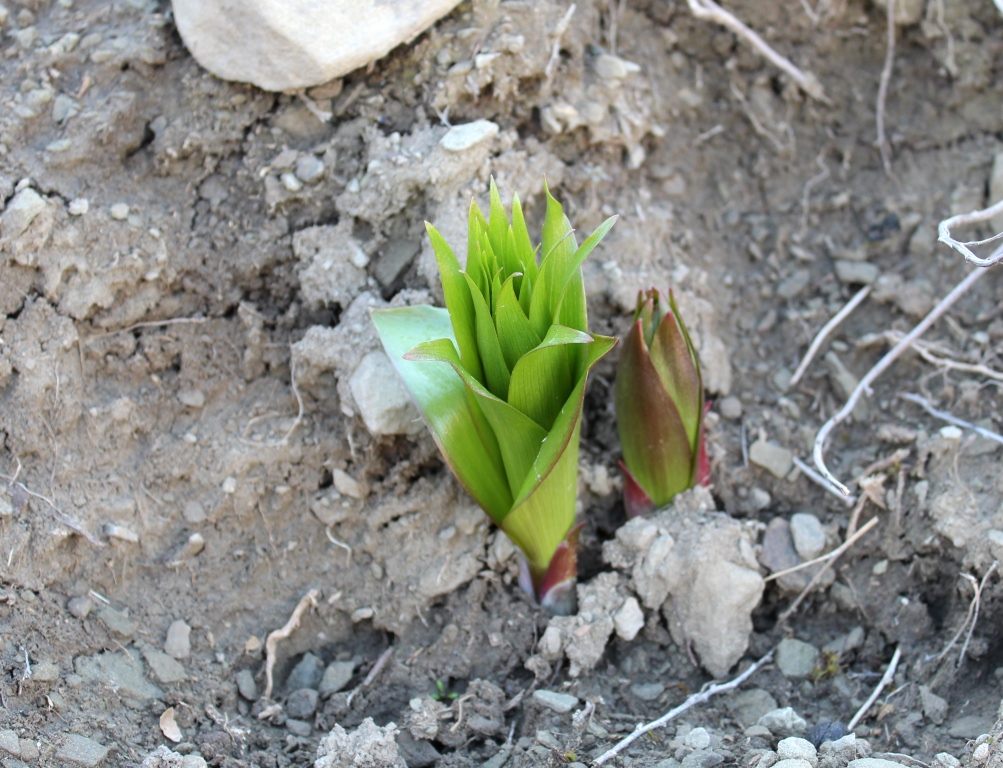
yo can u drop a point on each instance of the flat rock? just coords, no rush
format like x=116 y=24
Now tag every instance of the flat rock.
x=796 y=748
x=306 y=674
x=9 y=742
x=19 y=214
x=282 y=45
x=873 y=762
x=384 y=403
x=647 y=691
x=164 y=668
x=856 y=272
x=117 y=670
x=751 y=704
x=246 y=685
x=793 y=762
x=302 y=704
x=783 y=722
x=558 y=702
x=808 y=535
x=460 y=138
x=969 y=727
x=934 y=707
x=772 y=457
x=796 y=658
x=178 y=644
x=299 y=727
x=336 y=677
x=79 y=750
x=118 y=622
x=45 y=672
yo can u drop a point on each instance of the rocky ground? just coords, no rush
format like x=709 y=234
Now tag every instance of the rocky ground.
x=197 y=432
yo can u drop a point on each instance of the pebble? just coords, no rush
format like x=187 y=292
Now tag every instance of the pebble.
x=79 y=607
x=81 y=751
x=946 y=760
x=825 y=731
x=647 y=691
x=981 y=753
x=309 y=168
x=246 y=685
x=164 y=668
x=793 y=762
x=843 y=644
x=117 y=622
x=783 y=722
x=78 y=206
x=558 y=702
x=306 y=674
x=460 y=138
x=796 y=748
x=29 y=750
x=336 y=677
x=119 y=211
x=45 y=672
x=9 y=742
x=383 y=402
x=301 y=704
x=796 y=658
x=750 y=705
x=970 y=727
x=178 y=644
x=124 y=673
x=629 y=620
x=193 y=398
x=698 y=738
x=290 y=182
x=610 y=67
x=730 y=408
x=347 y=485
x=19 y=214
x=873 y=762
x=760 y=498
x=193 y=512
x=934 y=707
x=772 y=457
x=856 y=272
x=808 y=535
x=299 y=727
x=701 y=758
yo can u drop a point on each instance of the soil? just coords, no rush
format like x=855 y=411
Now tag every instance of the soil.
x=179 y=443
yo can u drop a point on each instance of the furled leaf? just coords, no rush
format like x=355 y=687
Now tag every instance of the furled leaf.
x=671 y=358
x=515 y=334
x=495 y=371
x=543 y=377
x=473 y=456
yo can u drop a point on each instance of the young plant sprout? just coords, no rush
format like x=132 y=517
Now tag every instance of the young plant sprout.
x=499 y=376
x=659 y=407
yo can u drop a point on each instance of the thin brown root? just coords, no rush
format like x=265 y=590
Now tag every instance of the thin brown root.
x=886 y=678
x=296 y=422
x=54 y=512
x=380 y=663
x=971 y=617
x=886 y=76
x=341 y=544
x=823 y=334
x=711 y=11
x=459 y=712
x=691 y=701
x=309 y=600
x=830 y=559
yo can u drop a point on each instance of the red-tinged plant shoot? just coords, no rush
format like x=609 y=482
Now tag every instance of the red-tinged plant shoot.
x=499 y=376
x=659 y=407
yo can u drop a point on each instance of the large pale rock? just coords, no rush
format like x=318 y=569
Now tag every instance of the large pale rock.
x=383 y=401
x=286 y=44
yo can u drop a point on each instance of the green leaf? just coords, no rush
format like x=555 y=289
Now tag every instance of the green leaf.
x=519 y=438
x=542 y=379
x=496 y=372
x=570 y=307
x=672 y=357
x=523 y=243
x=473 y=456
x=656 y=447
x=515 y=334
x=476 y=225
x=458 y=302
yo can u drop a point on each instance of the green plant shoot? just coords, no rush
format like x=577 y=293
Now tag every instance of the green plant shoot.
x=499 y=377
x=659 y=407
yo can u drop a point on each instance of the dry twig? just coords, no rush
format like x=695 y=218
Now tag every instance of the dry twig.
x=888 y=676
x=891 y=356
x=53 y=510
x=933 y=354
x=950 y=418
x=829 y=559
x=559 y=30
x=309 y=600
x=827 y=329
x=149 y=324
x=824 y=484
x=972 y=615
x=886 y=76
x=380 y=663
x=944 y=235
x=292 y=428
x=711 y=11
x=691 y=701
x=826 y=557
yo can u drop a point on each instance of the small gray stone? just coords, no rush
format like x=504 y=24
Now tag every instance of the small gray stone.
x=301 y=704
x=749 y=705
x=306 y=674
x=178 y=644
x=796 y=748
x=698 y=738
x=796 y=658
x=299 y=727
x=856 y=272
x=873 y=762
x=336 y=677
x=610 y=67
x=558 y=702
x=647 y=691
x=118 y=622
x=946 y=760
x=79 y=750
x=808 y=535
x=730 y=408
x=772 y=457
x=193 y=512
x=417 y=753
x=783 y=722
x=793 y=762
x=119 y=211
x=246 y=685
x=825 y=731
x=794 y=285
x=63 y=108
x=9 y=742
x=934 y=707
x=760 y=498
x=163 y=667
x=843 y=644
x=309 y=168
x=385 y=405
x=45 y=672
x=19 y=214
x=125 y=673
x=193 y=398
x=701 y=758
x=29 y=750
x=462 y=137
x=970 y=727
